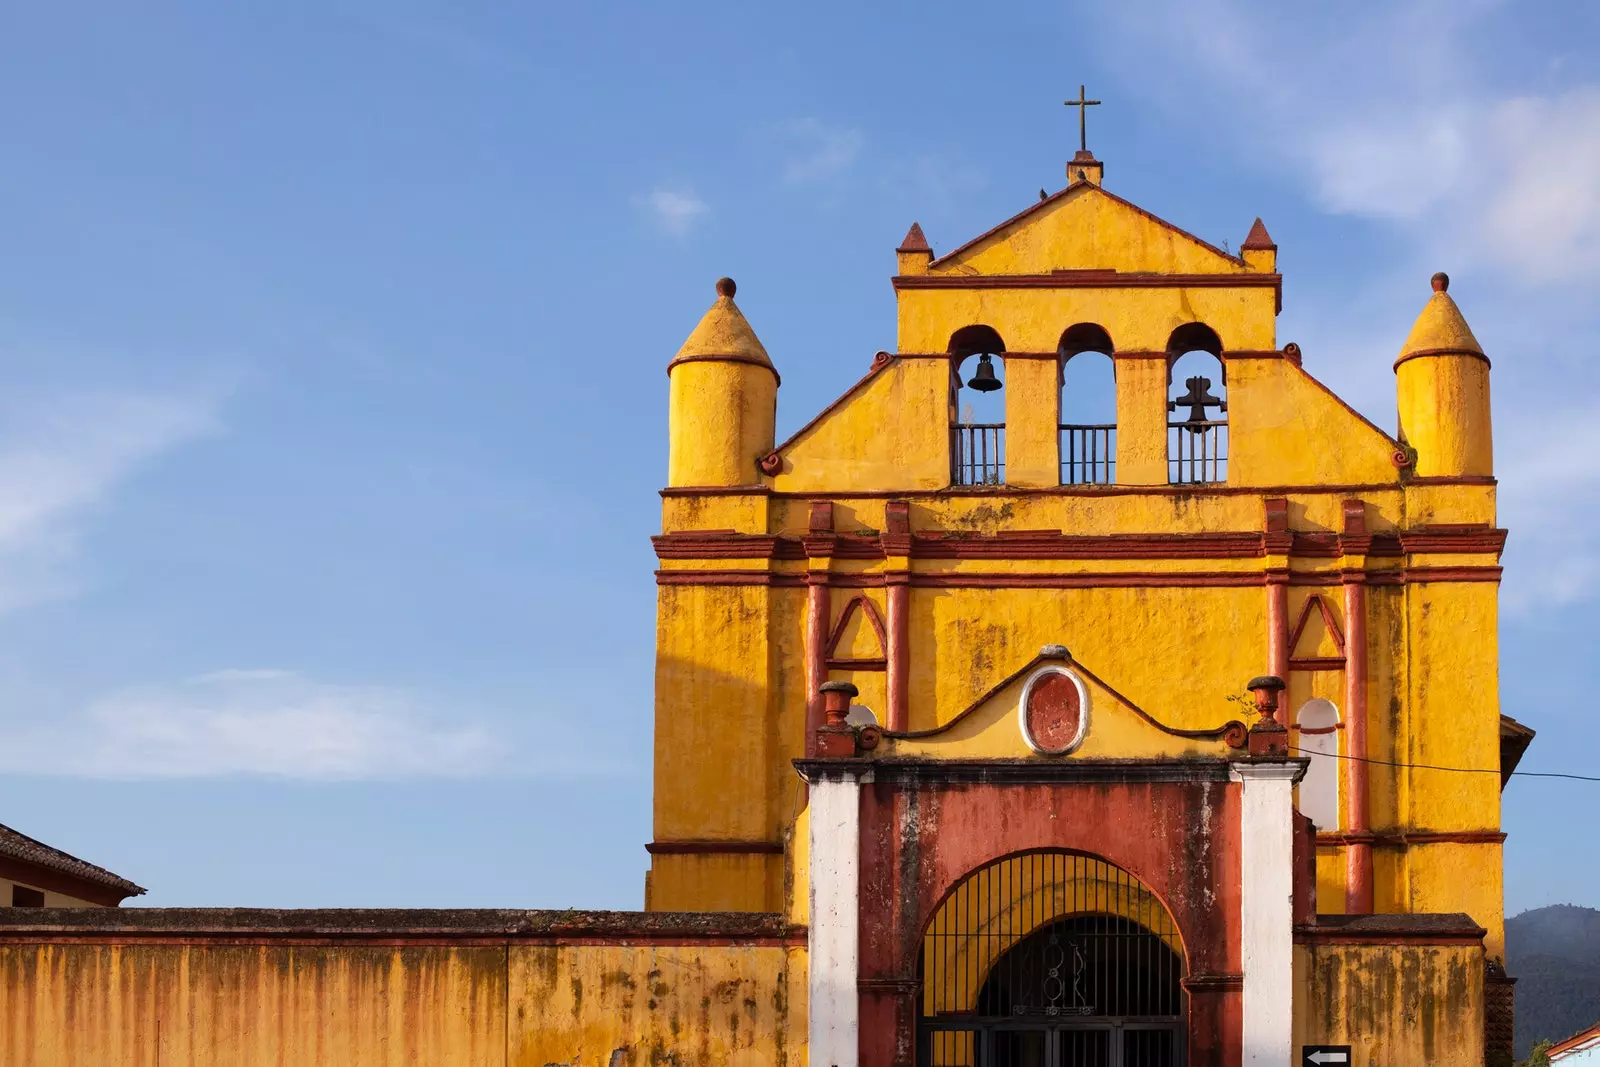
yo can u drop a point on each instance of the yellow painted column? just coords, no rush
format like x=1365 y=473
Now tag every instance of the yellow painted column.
x=1141 y=418
x=1033 y=420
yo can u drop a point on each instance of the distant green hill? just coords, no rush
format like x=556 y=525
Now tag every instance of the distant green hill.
x=1554 y=954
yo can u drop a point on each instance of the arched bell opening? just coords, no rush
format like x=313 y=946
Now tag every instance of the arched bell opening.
x=1051 y=958
x=1088 y=406
x=1197 y=429
x=977 y=406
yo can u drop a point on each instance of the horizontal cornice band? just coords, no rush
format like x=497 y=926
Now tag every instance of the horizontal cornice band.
x=1090 y=279
x=1052 y=545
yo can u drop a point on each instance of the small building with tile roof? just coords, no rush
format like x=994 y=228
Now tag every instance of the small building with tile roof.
x=34 y=874
x=1582 y=1047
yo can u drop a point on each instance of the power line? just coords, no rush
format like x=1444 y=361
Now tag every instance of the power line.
x=1457 y=770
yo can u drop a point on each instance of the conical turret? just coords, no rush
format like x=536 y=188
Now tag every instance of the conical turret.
x=1442 y=386
x=724 y=400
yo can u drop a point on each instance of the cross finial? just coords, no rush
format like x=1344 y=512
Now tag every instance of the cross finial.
x=1083 y=127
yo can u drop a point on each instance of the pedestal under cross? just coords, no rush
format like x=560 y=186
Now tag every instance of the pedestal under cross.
x=1083 y=127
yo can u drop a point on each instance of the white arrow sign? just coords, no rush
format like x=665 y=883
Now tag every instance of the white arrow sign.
x=1319 y=1058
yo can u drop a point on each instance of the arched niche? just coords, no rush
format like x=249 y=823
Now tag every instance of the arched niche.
x=1317 y=736
x=1197 y=406
x=977 y=406
x=1088 y=405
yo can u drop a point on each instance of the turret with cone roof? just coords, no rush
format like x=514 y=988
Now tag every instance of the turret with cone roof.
x=1442 y=385
x=724 y=400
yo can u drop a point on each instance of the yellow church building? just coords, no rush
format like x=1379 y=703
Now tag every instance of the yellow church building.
x=1000 y=740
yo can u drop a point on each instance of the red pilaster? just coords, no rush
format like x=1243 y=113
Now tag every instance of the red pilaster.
x=1358 y=854
x=1277 y=541
x=819 y=543
x=896 y=540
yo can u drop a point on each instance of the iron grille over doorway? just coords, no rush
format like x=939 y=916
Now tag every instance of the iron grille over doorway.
x=1051 y=959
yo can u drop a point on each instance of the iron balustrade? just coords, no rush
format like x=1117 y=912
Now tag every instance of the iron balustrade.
x=979 y=450
x=1051 y=958
x=1197 y=452
x=1088 y=454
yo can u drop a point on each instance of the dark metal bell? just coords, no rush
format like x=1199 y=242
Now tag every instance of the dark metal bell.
x=1197 y=399
x=984 y=380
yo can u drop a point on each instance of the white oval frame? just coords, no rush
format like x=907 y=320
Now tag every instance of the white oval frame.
x=1083 y=707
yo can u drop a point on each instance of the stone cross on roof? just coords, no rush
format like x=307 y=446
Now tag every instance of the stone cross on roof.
x=1082 y=105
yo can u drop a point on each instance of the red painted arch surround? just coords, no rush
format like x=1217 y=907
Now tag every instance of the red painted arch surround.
x=925 y=826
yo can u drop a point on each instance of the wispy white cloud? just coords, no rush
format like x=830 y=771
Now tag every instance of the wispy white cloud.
x=1404 y=115
x=819 y=152
x=1546 y=469
x=63 y=456
x=675 y=210
x=1386 y=112
x=250 y=722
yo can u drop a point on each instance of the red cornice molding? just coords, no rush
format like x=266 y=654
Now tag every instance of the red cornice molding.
x=1406 y=838
x=754 y=362
x=707 y=848
x=1089 y=279
x=1079 y=580
x=1425 y=352
x=970 y=492
x=1051 y=544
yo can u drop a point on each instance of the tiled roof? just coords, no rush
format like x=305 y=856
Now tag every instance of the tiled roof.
x=24 y=848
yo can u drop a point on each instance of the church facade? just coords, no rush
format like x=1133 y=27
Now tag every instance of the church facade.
x=1021 y=739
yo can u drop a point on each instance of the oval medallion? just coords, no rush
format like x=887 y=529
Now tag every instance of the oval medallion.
x=1053 y=712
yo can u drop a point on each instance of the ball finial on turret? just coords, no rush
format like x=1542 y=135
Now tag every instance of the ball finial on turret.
x=726 y=287
x=1441 y=282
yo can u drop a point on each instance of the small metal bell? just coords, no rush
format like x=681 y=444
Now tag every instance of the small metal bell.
x=984 y=380
x=1197 y=399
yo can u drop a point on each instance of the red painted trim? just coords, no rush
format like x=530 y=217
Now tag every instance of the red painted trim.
x=753 y=361
x=859 y=602
x=1421 y=352
x=1277 y=644
x=1404 y=838
x=365 y=940
x=1089 y=280
x=718 y=544
x=857 y=664
x=1311 y=935
x=701 y=848
x=1328 y=621
x=40 y=876
x=1099 y=580
x=817 y=611
x=1083 y=580
x=1052 y=544
x=1342 y=402
x=1317 y=663
x=877 y=367
x=1358 y=857
x=958 y=492
x=726 y=577
x=898 y=714
x=1088 y=187
x=1452 y=574
x=1227 y=732
x=1252 y=353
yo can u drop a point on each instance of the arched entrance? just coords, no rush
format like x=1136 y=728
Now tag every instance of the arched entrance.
x=1051 y=959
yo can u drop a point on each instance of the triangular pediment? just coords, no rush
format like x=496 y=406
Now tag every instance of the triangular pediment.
x=1085 y=228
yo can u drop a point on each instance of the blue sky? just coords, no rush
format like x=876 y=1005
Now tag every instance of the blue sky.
x=332 y=404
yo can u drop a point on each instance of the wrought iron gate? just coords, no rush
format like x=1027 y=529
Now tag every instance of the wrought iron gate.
x=1051 y=960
